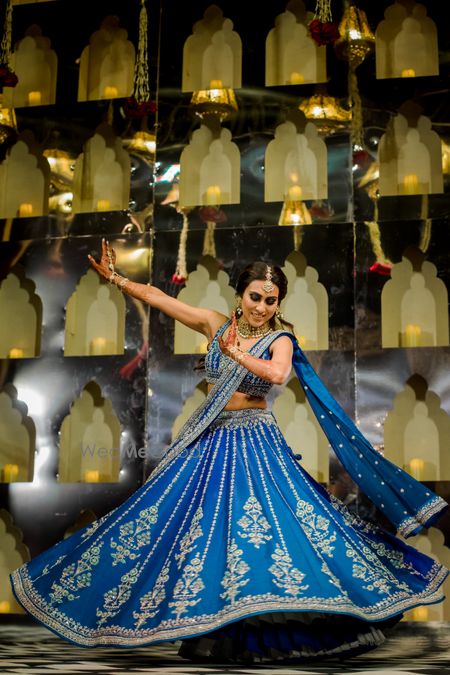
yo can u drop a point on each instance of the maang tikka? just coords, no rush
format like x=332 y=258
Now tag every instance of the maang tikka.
x=268 y=284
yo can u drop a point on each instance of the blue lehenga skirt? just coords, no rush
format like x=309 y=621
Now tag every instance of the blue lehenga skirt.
x=235 y=550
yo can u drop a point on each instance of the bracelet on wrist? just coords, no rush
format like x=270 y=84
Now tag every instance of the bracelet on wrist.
x=241 y=356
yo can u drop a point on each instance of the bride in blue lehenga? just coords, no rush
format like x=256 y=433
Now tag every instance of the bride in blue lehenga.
x=230 y=545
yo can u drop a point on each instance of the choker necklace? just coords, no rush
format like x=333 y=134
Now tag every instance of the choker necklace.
x=245 y=330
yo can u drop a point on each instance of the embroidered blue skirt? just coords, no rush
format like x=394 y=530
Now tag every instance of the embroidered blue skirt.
x=235 y=550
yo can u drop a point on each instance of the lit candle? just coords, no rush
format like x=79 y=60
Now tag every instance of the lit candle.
x=410 y=184
x=420 y=614
x=408 y=72
x=213 y=195
x=92 y=476
x=25 y=210
x=15 y=353
x=295 y=193
x=10 y=473
x=97 y=346
x=5 y=607
x=34 y=98
x=216 y=84
x=412 y=335
x=110 y=92
x=296 y=78
x=103 y=205
x=416 y=467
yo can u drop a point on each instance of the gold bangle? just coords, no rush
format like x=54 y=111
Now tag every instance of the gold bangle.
x=122 y=283
x=111 y=278
x=241 y=356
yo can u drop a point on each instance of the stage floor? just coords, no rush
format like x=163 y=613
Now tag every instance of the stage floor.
x=26 y=647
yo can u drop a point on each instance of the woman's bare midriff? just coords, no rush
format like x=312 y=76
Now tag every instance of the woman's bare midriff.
x=240 y=401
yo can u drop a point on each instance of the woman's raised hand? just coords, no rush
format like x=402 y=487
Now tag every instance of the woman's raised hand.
x=105 y=267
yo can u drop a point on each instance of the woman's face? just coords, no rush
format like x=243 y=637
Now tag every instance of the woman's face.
x=257 y=305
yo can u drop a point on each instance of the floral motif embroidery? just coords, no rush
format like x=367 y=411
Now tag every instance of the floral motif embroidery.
x=254 y=523
x=134 y=535
x=150 y=601
x=316 y=528
x=195 y=531
x=376 y=575
x=188 y=587
x=49 y=567
x=286 y=576
x=90 y=529
x=333 y=579
x=233 y=578
x=114 y=599
x=350 y=518
x=76 y=576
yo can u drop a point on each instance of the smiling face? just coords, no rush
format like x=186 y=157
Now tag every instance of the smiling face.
x=257 y=305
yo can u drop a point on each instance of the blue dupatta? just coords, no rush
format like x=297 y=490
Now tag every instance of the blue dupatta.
x=407 y=504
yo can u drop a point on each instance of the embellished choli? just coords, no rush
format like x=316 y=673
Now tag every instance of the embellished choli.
x=216 y=361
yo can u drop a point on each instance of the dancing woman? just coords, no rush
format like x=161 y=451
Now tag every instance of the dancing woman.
x=230 y=545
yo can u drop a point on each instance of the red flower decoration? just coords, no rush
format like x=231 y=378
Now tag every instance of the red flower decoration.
x=324 y=32
x=212 y=214
x=177 y=279
x=137 y=110
x=7 y=77
x=381 y=269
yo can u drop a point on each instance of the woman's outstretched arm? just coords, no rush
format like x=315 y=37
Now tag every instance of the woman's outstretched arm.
x=205 y=321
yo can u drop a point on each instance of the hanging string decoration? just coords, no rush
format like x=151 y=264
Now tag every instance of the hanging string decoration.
x=323 y=29
x=211 y=215
x=355 y=43
x=140 y=103
x=181 y=274
x=209 y=244
x=383 y=264
x=8 y=78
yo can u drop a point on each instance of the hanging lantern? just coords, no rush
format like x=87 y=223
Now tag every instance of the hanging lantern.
x=217 y=102
x=326 y=112
x=142 y=142
x=294 y=211
x=356 y=39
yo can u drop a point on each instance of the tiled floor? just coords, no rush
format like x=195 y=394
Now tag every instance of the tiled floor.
x=26 y=647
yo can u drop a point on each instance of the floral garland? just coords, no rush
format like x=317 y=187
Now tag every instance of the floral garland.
x=322 y=28
x=140 y=105
x=8 y=78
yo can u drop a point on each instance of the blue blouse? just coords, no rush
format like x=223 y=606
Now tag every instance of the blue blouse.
x=215 y=362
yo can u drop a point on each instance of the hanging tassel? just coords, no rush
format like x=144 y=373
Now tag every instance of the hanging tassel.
x=322 y=28
x=209 y=245
x=140 y=104
x=356 y=128
x=383 y=264
x=181 y=274
x=8 y=78
x=298 y=236
x=129 y=368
